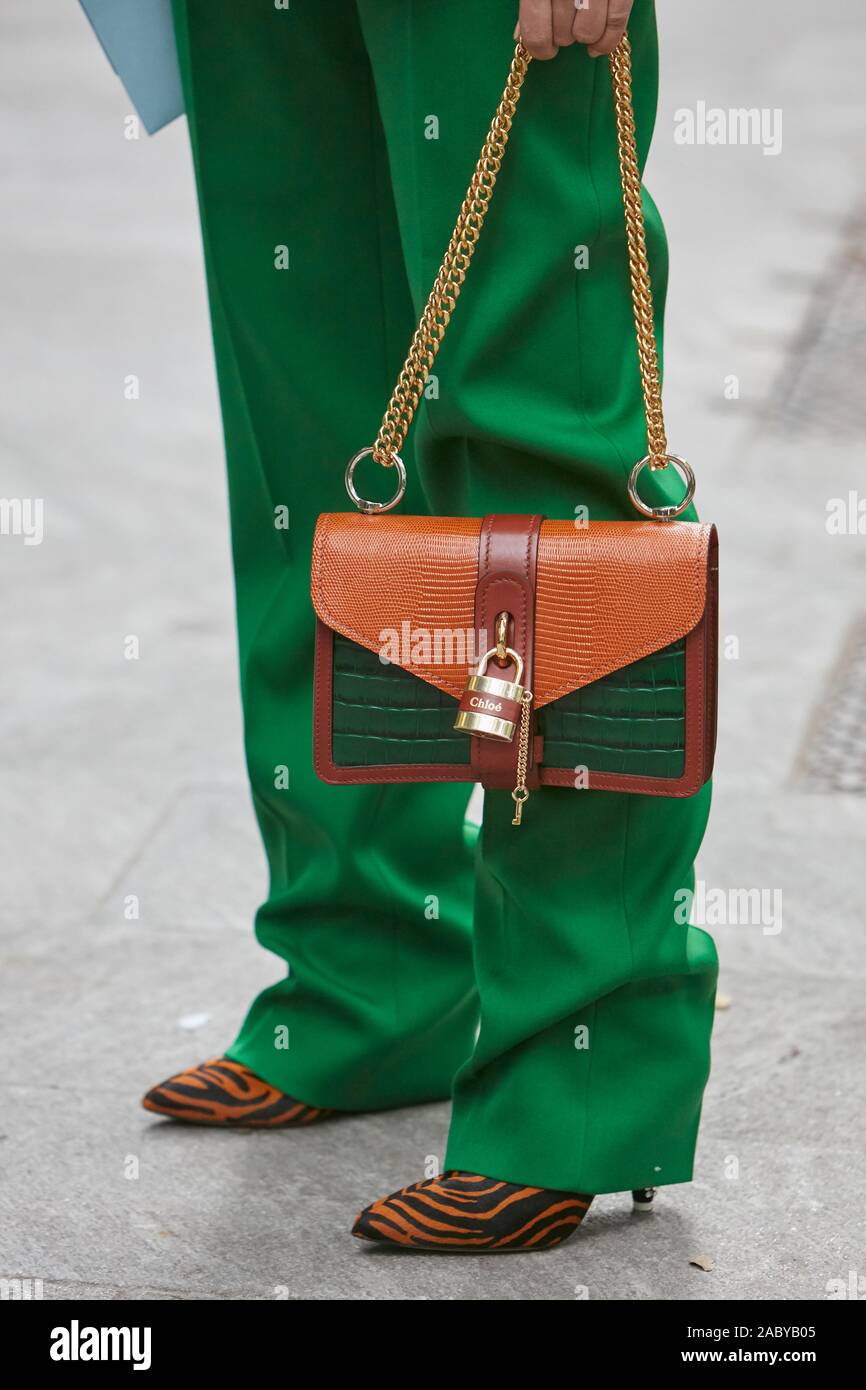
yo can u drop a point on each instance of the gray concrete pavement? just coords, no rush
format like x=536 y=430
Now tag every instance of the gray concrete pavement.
x=126 y=778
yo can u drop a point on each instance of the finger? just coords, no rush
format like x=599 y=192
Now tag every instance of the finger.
x=617 y=22
x=563 y=23
x=536 y=28
x=590 y=20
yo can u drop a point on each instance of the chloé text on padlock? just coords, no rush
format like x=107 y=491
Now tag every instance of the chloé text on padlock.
x=489 y=706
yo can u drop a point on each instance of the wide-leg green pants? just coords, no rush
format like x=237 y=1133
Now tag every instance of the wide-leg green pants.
x=333 y=142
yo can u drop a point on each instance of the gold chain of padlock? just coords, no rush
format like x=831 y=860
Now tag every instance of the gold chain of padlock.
x=520 y=795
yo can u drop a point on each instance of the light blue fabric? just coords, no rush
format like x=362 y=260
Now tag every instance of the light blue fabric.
x=138 y=39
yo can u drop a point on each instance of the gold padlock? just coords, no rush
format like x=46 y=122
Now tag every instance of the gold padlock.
x=489 y=706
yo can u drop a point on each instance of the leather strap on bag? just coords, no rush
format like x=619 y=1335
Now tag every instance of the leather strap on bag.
x=507 y=561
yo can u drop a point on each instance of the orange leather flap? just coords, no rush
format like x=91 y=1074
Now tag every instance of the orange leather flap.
x=607 y=594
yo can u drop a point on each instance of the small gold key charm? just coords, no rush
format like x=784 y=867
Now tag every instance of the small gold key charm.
x=520 y=795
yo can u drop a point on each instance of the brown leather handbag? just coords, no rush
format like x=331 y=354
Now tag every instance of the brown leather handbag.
x=592 y=649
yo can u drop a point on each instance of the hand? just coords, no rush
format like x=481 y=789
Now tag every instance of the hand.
x=546 y=26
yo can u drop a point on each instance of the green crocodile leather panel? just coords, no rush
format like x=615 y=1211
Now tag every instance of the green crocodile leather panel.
x=632 y=721
x=383 y=715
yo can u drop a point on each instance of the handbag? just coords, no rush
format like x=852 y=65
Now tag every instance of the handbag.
x=593 y=648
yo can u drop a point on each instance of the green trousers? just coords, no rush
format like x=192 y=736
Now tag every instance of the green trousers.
x=333 y=141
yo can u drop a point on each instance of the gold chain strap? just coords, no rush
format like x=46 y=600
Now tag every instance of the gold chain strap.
x=449 y=282
x=452 y=273
x=638 y=265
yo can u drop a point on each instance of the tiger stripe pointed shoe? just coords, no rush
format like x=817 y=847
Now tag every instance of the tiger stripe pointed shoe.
x=224 y=1092
x=470 y=1213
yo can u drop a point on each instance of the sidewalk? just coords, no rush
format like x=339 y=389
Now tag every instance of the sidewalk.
x=124 y=779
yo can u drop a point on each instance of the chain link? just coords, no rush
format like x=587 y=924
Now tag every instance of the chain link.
x=452 y=273
x=638 y=264
x=449 y=282
x=520 y=795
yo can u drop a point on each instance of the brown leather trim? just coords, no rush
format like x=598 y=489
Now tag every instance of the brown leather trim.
x=607 y=594
x=507 y=561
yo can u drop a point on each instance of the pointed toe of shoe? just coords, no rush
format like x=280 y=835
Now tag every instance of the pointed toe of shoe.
x=373 y=1224
x=225 y=1092
x=152 y=1100
x=473 y=1214
x=175 y=1097
x=361 y=1227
